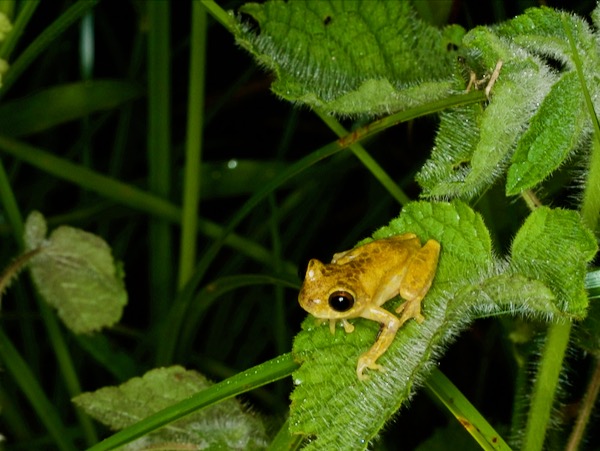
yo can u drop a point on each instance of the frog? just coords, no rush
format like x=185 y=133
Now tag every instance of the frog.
x=359 y=281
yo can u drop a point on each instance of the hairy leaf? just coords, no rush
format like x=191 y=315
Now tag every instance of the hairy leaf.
x=474 y=145
x=329 y=402
x=74 y=272
x=542 y=31
x=223 y=426
x=537 y=115
x=554 y=132
x=339 y=411
x=353 y=56
x=553 y=246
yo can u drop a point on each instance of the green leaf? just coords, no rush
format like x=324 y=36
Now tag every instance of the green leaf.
x=562 y=121
x=74 y=272
x=474 y=145
x=554 y=132
x=514 y=294
x=541 y=31
x=350 y=57
x=544 y=279
x=553 y=246
x=329 y=402
x=223 y=426
x=61 y=104
x=536 y=117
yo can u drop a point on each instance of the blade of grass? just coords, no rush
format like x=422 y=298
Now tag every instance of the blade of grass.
x=11 y=209
x=22 y=375
x=284 y=441
x=159 y=159
x=67 y=368
x=439 y=386
x=265 y=373
x=193 y=147
x=125 y=194
x=25 y=13
x=44 y=40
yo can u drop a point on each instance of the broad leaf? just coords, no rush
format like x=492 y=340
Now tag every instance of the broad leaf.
x=223 y=426
x=554 y=132
x=474 y=144
x=554 y=247
x=330 y=404
x=353 y=56
x=75 y=273
x=537 y=115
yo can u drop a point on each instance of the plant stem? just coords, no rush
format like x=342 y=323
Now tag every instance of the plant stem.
x=220 y=15
x=441 y=388
x=545 y=385
x=590 y=206
x=359 y=151
x=589 y=399
x=47 y=413
x=193 y=147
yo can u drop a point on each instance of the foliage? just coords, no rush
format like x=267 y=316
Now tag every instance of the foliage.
x=511 y=316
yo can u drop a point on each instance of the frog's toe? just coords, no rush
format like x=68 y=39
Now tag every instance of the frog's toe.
x=365 y=362
x=409 y=310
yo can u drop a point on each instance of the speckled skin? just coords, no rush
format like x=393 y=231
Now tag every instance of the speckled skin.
x=371 y=275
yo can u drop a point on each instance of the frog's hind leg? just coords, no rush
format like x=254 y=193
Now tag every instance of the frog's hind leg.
x=417 y=281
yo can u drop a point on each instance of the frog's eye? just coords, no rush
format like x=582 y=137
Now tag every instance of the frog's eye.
x=341 y=301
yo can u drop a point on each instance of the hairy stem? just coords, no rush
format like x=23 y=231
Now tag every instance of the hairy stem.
x=545 y=385
x=589 y=399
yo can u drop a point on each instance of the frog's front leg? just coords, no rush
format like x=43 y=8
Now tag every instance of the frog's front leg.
x=417 y=280
x=390 y=325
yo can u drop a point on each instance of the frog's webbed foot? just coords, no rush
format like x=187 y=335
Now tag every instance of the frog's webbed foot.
x=367 y=361
x=409 y=310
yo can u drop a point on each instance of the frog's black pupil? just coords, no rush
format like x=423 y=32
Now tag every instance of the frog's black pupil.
x=340 y=301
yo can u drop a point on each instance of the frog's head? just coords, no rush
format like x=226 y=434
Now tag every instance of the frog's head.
x=331 y=292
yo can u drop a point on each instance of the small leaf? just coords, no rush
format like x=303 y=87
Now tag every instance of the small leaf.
x=74 y=272
x=350 y=57
x=553 y=246
x=554 y=132
x=223 y=426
